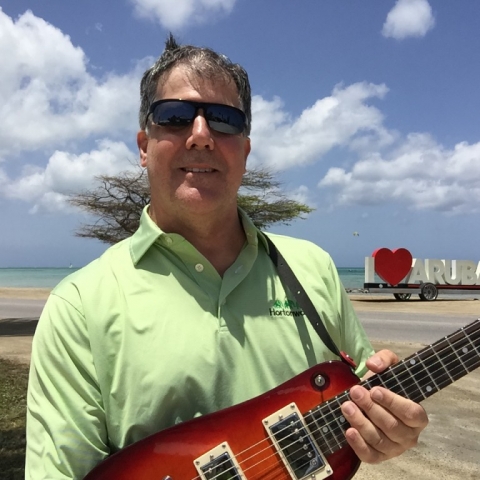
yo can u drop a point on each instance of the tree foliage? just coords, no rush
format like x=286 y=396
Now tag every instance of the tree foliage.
x=117 y=202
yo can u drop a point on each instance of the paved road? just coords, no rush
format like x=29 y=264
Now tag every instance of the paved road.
x=406 y=327
x=392 y=326
x=12 y=308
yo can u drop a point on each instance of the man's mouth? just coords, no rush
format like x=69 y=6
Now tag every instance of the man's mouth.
x=198 y=170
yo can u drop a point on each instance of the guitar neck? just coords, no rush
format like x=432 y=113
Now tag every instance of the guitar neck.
x=417 y=377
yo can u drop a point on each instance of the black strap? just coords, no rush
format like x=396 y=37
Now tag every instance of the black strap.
x=289 y=279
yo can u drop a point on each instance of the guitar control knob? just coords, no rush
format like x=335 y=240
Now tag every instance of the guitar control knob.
x=320 y=381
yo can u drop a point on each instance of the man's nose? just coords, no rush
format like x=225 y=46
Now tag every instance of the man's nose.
x=200 y=136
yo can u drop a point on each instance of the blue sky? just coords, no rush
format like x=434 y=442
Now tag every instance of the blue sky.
x=368 y=111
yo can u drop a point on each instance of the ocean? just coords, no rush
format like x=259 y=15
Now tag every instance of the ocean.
x=49 y=277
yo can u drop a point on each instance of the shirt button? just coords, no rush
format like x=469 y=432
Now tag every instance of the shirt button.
x=169 y=241
x=199 y=267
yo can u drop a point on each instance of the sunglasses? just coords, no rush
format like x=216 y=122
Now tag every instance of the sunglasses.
x=181 y=113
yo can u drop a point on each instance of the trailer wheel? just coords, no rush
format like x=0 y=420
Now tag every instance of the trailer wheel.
x=402 y=297
x=429 y=292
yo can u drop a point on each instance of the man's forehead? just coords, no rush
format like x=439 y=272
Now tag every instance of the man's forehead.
x=182 y=80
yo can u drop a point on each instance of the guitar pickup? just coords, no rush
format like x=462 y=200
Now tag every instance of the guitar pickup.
x=295 y=444
x=219 y=463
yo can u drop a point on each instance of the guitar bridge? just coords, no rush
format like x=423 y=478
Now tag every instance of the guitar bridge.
x=219 y=464
x=295 y=445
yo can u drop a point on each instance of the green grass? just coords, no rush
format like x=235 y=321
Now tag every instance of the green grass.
x=13 y=395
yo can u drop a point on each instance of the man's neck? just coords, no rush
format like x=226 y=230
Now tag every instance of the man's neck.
x=218 y=238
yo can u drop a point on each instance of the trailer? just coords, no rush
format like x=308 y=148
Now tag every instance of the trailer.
x=403 y=276
x=426 y=291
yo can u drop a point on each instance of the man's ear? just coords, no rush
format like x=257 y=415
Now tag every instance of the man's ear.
x=142 y=142
x=247 y=147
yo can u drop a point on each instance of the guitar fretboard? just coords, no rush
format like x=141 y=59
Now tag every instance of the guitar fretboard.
x=417 y=377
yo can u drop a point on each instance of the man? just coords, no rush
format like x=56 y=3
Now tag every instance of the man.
x=182 y=319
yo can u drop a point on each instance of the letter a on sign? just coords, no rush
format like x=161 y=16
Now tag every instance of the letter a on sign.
x=392 y=266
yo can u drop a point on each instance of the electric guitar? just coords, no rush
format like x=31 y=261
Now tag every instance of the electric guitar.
x=295 y=431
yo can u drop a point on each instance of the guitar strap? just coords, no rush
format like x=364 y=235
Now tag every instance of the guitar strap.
x=289 y=279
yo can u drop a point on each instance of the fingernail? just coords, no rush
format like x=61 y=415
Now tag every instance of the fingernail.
x=356 y=394
x=377 y=395
x=377 y=362
x=348 y=409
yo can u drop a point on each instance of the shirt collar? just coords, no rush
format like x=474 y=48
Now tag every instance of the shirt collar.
x=146 y=235
x=149 y=232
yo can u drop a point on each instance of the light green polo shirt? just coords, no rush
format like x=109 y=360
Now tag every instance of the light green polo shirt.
x=150 y=335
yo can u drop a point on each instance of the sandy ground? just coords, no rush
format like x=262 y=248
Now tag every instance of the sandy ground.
x=24 y=293
x=448 y=449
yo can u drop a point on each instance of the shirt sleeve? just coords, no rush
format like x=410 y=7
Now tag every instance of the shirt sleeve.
x=66 y=429
x=354 y=341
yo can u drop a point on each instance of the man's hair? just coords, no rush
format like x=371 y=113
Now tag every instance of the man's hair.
x=203 y=62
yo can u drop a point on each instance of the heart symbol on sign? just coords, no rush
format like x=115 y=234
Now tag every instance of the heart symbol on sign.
x=392 y=266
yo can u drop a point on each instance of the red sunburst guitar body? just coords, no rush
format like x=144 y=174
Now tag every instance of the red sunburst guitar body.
x=295 y=431
x=171 y=453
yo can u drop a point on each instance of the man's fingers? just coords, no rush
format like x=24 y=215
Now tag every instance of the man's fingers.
x=383 y=424
x=407 y=412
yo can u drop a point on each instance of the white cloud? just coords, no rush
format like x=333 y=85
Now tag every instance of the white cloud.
x=48 y=100
x=47 y=188
x=420 y=174
x=280 y=142
x=47 y=96
x=302 y=194
x=184 y=12
x=408 y=18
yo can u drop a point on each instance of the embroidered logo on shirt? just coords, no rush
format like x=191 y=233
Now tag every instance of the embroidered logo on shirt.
x=286 y=308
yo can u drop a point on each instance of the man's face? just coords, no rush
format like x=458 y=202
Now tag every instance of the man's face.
x=193 y=169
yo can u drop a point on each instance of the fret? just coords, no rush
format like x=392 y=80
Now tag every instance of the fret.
x=456 y=343
x=430 y=383
x=333 y=421
x=327 y=427
x=418 y=368
x=443 y=367
x=374 y=381
x=342 y=421
x=323 y=435
x=392 y=380
x=466 y=349
x=447 y=363
x=413 y=388
x=472 y=355
x=315 y=430
x=417 y=378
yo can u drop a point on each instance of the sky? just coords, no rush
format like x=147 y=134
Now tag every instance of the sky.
x=367 y=111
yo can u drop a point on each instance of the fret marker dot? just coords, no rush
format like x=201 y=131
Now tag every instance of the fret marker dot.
x=324 y=429
x=429 y=388
x=342 y=419
x=465 y=350
x=412 y=361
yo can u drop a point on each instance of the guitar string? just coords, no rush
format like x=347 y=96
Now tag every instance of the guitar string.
x=395 y=380
x=433 y=372
x=279 y=466
x=345 y=394
x=437 y=362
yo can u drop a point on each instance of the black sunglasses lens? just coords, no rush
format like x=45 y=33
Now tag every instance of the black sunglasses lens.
x=225 y=119
x=173 y=114
x=178 y=113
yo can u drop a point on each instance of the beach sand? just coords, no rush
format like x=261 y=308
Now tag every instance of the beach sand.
x=448 y=449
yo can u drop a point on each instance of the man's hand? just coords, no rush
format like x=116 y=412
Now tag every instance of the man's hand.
x=383 y=424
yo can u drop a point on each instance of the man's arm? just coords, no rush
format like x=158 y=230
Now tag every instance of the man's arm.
x=383 y=424
x=66 y=430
